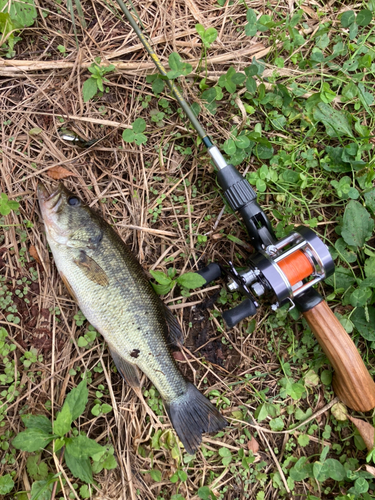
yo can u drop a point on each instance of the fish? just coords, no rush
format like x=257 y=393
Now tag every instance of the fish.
x=113 y=292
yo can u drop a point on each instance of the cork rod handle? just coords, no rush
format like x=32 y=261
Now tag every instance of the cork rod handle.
x=352 y=382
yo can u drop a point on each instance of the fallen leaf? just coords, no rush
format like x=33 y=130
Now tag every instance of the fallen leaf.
x=366 y=431
x=59 y=173
x=370 y=470
x=34 y=254
x=35 y=131
x=340 y=412
x=253 y=445
x=178 y=356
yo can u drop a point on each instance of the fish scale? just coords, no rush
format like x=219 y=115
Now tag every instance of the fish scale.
x=114 y=294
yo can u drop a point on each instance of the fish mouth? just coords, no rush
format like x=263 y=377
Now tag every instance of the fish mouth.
x=49 y=202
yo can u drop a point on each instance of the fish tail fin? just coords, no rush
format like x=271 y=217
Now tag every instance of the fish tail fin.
x=191 y=415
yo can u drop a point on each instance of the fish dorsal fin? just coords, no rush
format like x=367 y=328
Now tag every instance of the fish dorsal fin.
x=175 y=335
x=91 y=269
x=128 y=371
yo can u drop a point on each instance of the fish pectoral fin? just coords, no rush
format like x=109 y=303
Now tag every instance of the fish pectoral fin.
x=175 y=335
x=91 y=269
x=128 y=371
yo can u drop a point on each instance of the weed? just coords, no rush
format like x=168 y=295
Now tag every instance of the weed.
x=135 y=134
x=78 y=449
x=6 y=205
x=95 y=83
x=166 y=282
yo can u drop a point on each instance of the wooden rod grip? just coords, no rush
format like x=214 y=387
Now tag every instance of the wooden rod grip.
x=352 y=382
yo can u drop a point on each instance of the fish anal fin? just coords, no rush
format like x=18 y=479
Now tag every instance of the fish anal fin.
x=68 y=287
x=175 y=335
x=91 y=269
x=128 y=371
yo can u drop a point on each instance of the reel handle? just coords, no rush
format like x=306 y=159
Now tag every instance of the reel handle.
x=352 y=382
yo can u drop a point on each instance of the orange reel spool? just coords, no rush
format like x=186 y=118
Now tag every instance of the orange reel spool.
x=296 y=267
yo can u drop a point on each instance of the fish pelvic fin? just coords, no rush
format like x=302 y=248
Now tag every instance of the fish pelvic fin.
x=192 y=414
x=174 y=335
x=128 y=371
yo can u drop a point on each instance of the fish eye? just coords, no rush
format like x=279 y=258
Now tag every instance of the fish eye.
x=73 y=201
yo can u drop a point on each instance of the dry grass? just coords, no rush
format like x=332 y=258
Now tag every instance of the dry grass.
x=124 y=182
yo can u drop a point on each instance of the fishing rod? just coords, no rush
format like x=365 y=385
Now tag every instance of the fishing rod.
x=280 y=271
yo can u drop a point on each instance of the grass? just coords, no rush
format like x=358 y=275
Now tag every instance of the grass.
x=298 y=121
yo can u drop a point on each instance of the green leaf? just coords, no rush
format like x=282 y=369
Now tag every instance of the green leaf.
x=22 y=13
x=364 y=17
x=128 y=135
x=365 y=325
x=347 y=255
x=300 y=470
x=370 y=267
x=326 y=377
x=251 y=26
x=139 y=125
x=82 y=446
x=40 y=422
x=84 y=491
x=160 y=277
x=89 y=89
x=6 y=484
x=242 y=142
x=177 y=66
x=7 y=205
x=109 y=463
x=349 y=92
x=77 y=399
x=210 y=36
x=342 y=279
x=36 y=469
x=226 y=456
x=63 y=421
x=77 y=451
x=204 y=493
x=42 y=490
x=263 y=149
x=158 y=85
x=357 y=224
x=335 y=121
x=277 y=424
x=295 y=390
x=303 y=440
x=79 y=467
x=370 y=200
x=229 y=147
x=6 y=27
x=191 y=280
x=200 y=29
x=360 y=297
x=347 y=18
x=140 y=139
x=155 y=475
x=32 y=440
x=58 y=444
x=335 y=469
x=162 y=289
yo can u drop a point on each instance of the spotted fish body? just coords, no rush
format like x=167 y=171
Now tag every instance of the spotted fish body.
x=116 y=297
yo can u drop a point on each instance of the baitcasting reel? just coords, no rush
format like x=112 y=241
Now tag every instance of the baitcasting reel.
x=280 y=271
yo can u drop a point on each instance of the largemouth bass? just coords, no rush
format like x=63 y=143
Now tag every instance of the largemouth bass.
x=113 y=292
